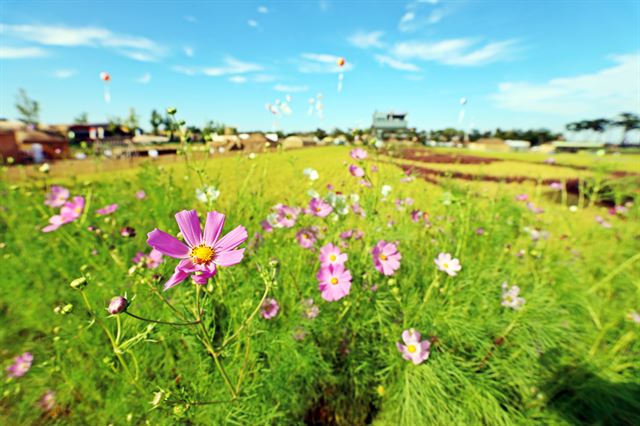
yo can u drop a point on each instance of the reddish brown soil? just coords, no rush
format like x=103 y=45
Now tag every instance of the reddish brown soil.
x=429 y=157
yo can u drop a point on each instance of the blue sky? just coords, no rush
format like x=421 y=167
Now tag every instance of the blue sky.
x=519 y=63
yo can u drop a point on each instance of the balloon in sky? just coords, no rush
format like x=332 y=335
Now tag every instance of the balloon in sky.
x=106 y=77
x=463 y=101
x=341 y=62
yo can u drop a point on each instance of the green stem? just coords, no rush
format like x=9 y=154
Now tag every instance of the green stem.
x=207 y=343
x=249 y=319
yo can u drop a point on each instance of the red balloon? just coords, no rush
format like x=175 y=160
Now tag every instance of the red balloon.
x=105 y=76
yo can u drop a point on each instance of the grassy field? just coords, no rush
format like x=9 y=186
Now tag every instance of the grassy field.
x=567 y=354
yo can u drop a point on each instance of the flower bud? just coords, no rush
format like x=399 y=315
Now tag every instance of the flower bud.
x=79 y=283
x=118 y=305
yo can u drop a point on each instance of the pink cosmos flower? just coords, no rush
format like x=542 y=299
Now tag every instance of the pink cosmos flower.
x=150 y=261
x=374 y=168
x=416 y=215
x=534 y=209
x=550 y=160
x=266 y=226
x=356 y=170
x=107 y=209
x=269 y=308
x=602 y=222
x=48 y=401
x=358 y=154
x=331 y=255
x=522 y=197
x=311 y=310
x=141 y=195
x=621 y=210
x=346 y=235
x=447 y=264
x=334 y=282
x=57 y=196
x=306 y=237
x=386 y=257
x=634 y=316
x=202 y=253
x=556 y=186
x=21 y=364
x=358 y=210
x=365 y=183
x=71 y=211
x=286 y=216
x=128 y=232
x=414 y=349
x=319 y=207
x=480 y=231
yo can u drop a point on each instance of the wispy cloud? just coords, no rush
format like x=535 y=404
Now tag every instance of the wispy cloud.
x=189 y=51
x=238 y=79
x=134 y=47
x=144 y=78
x=252 y=23
x=64 y=73
x=460 y=52
x=290 y=89
x=230 y=66
x=190 y=18
x=396 y=64
x=605 y=92
x=321 y=63
x=421 y=13
x=263 y=9
x=365 y=40
x=8 y=52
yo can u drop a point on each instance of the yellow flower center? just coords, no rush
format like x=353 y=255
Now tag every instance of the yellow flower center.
x=411 y=348
x=318 y=209
x=334 y=281
x=202 y=254
x=445 y=265
x=508 y=299
x=332 y=258
x=383 y=257
x=78 y=210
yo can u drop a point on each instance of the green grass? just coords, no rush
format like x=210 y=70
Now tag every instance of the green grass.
x=568 y=357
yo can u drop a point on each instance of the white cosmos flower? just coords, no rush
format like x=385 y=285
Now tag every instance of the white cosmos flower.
x=386 y=190
x=510 y=297
x=207 y=194
x=312 y=174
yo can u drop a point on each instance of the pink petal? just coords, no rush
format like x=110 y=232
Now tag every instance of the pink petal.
x=229 y=258
x=167 y=244
x=232 y=240
x=177 y=277
x=189 y=225
x=213 y=228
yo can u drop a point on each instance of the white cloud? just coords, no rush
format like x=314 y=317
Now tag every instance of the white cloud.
x=231 y=66
x=407 y=17
x=134 y=47
x=238 y=79
x=144 y=78
x=64 y=73
x=252 y=23
x=263 y=9
x=606 y=92
x=189 y=51
x=290 y=89
x=461 y=52
x=322 y=63
x=396 y=64
x=364 y=40
x=8 y=52
x=421 y=13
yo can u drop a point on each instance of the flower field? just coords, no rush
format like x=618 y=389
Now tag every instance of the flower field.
x=332 y=285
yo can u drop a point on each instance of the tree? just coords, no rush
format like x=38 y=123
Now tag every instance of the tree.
x=156 y=121
x=132 y=121
x=628 y=121
x=28 y=109
x=82 y=118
